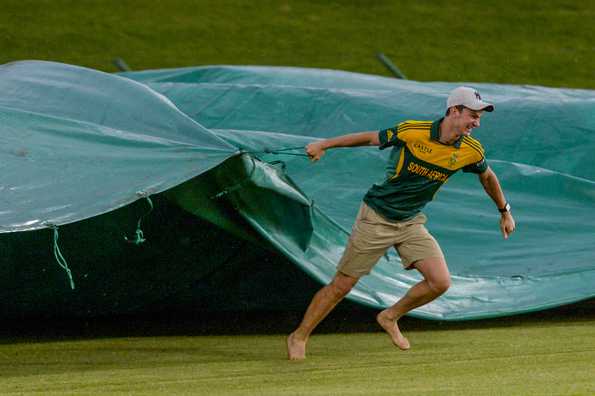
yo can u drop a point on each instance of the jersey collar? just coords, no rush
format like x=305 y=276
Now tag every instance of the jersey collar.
x=435 y=134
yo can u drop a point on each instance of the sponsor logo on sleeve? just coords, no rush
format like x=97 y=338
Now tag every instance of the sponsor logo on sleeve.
x=389 y=135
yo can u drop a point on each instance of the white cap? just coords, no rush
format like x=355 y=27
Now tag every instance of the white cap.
x=469 y=98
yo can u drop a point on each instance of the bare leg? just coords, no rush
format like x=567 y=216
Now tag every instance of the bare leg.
x=436 y=282
x=323 y=302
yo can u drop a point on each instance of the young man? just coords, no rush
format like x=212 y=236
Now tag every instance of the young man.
x=424 y=155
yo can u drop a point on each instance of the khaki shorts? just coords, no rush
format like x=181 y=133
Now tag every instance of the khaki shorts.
x=372 y=235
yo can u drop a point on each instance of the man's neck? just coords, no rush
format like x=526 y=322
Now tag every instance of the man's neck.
x=448 y=135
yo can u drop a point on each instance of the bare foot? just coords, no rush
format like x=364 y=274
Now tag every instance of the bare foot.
x=296 y=349
x=391 y=327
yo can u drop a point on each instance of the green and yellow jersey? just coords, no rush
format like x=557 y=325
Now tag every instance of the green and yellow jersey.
x=418 y=166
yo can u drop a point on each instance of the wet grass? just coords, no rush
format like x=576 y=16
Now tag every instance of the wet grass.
x=549 y=352
x=551 y=359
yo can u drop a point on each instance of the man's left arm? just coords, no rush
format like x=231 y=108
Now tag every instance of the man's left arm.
x=491 y=185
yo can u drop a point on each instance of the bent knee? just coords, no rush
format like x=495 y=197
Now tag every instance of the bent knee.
x=435 y=273
x=342 y=285
x=440 y=285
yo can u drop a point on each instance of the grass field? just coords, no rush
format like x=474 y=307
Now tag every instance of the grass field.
x=519 y=42
x=509 y=41
x=550 y=353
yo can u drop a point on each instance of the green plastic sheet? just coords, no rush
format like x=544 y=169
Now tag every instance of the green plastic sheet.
x=224 y=144
x=539 y=141
x=78 y=143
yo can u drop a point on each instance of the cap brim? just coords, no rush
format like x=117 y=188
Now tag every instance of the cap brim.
x=483 y=106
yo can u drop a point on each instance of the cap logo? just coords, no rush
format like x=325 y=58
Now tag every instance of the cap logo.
x=477 y=96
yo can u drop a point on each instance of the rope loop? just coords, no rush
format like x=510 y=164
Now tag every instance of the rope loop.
x=58 y=254
x=139 y=237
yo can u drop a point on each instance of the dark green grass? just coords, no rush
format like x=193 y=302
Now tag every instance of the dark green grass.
x=522 y=42
x=545 y=360
x=549 y=353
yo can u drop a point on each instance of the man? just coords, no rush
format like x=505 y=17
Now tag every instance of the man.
x=424 y=155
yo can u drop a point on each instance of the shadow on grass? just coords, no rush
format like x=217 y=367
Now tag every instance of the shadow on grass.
x=347 y=318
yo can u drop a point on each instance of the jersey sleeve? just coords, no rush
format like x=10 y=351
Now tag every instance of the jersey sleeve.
x=392 y=136
x=479 y=164
x=477 y=167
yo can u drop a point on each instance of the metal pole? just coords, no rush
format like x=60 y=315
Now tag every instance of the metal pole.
x=121 y=65
x=390 y=66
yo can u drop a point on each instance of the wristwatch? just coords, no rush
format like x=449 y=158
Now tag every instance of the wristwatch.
x=505 y=209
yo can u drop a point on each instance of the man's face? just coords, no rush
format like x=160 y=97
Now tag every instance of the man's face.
x=466 y=120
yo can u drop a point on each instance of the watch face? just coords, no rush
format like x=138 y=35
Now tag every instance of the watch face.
x=506 y=208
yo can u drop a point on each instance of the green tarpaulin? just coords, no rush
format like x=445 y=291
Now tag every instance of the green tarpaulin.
x=78 y=143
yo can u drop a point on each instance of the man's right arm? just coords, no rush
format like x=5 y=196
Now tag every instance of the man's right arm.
x=316 y=150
